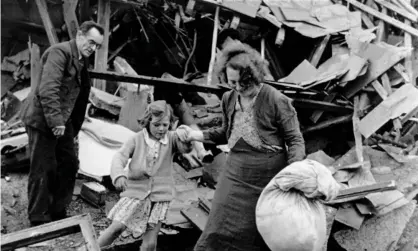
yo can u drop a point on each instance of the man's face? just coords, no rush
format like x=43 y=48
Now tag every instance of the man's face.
x=89 y=42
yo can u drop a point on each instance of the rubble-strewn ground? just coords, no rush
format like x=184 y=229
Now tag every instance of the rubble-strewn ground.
x=14 y=218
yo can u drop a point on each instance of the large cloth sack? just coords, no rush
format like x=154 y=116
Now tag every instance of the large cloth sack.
x=289 y=214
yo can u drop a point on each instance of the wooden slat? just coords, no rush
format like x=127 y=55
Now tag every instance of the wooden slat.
x=366 y=20
x=326 y=106
x=386 y=83
x=49 y=28
x=319 y=51
x=328 y=123
x=316 y=115
x=213 y=49
x=406 y=4
x=385 y=18
x=398 y=10
x=50 y=231
x=379 y=89
x=35 y=65
x=408 y=59
x=399 y=68
x=100 y=62
x=356 y=131
x=70 y=17
x=146 y=80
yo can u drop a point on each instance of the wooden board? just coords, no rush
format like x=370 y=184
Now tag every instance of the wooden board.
x=70 y=17
x=52 y=230
x=385 y=18
x=402 y=101
x=100 y=61
x=35 y=65
x=46 y=20
x=381 y=58
x=398 y=10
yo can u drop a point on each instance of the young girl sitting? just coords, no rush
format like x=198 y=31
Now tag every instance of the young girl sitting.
x=147 y=185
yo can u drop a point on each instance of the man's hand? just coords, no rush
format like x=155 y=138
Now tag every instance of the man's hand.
x=121 y=183
x=58 y=131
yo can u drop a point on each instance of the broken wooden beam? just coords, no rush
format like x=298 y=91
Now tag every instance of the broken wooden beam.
x=29 y=236
x=70 y=17
x=213 y=50
x=35 y=65
x=328 y=123
x=316 y=115
x=319 y=50
x=408 y=59
x=398 y=10
x=356 y=193
x=139 y=79
x=46 y=20
x=385 y=18
x=320 y=105
x=100 y=60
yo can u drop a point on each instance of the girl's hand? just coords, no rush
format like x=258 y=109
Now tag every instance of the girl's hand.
x=121 y=183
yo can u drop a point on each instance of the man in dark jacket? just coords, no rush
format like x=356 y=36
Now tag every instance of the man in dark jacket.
x=53 y=114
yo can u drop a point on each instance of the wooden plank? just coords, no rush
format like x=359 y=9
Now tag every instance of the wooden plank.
x=385 y=18
x=146 y=80
x=381 y=33
x=401 y=102
x=70 y=17
x=35 y=65
x=50 y=231
x=328 y=123
x=316 y=115
x=356 y=193
x=408 y=59
x=396 y=9
x=325 y=106
x=356 y=131
x=100 y=61
x=379 y=64
x=406 y=4
x=399 y=68
x=386 y=83
x=366 y=20
x=213 y=50
x=49 y=27
x=379 y=89
x=316 y=56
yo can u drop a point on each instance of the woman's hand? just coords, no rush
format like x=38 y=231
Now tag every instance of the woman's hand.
x=121 y=183
x=183 y=132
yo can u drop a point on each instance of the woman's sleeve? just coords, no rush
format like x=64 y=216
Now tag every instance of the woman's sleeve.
x=218 y=135
x=291 y=129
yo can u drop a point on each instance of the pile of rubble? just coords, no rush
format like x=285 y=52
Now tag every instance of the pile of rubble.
x=350 y=68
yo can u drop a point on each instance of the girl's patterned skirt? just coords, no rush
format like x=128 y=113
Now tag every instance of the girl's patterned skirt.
x=138 y=215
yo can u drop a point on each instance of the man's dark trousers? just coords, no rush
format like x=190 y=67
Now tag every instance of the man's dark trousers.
x=53 y=169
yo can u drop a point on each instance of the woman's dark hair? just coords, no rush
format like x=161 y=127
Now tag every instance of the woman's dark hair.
x=243 y=58
x=158 y=109
x=87 y=25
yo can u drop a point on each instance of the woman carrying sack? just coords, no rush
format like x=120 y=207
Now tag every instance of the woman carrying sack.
x=258 y=123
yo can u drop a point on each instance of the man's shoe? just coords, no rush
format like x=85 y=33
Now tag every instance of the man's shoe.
x=59 y=216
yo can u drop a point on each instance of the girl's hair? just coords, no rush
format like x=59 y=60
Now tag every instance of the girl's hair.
x=158 y=109
x=246 y=60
